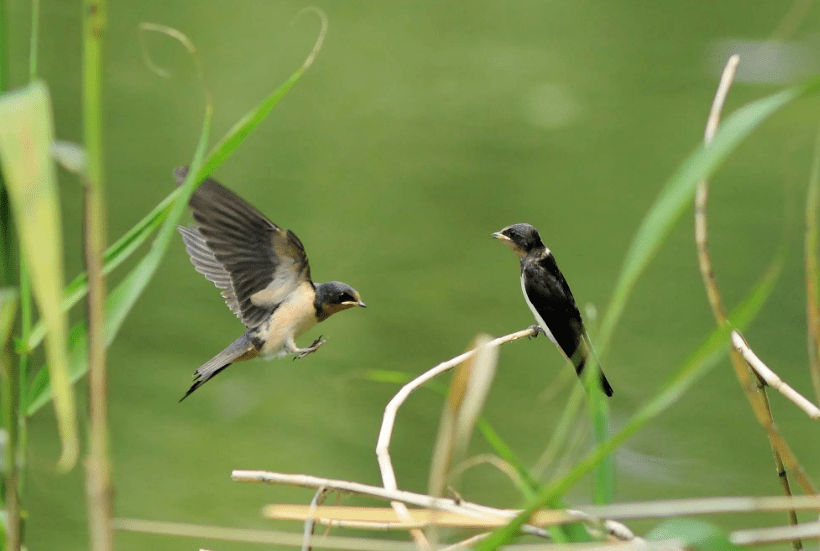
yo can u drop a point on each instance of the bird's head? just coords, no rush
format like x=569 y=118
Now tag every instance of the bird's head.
x=521 y=238
x=334 y=297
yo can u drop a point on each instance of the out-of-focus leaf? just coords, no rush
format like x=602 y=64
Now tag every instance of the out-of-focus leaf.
x=70 y=155
x=9 y=299
x=26 y=137
x=693 y=534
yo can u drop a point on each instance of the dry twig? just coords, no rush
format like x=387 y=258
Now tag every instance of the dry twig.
x=389 y=420
x=266 y=537
x=394 y=496
x=755 y=393
x=771 y=378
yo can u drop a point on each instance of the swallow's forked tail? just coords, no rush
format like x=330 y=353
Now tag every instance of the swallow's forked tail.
x=579 y=366
x=240 y=349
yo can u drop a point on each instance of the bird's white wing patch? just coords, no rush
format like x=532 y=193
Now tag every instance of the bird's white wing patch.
x=535 y=313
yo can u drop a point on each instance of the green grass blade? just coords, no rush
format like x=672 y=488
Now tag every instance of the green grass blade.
x=26 y=136
x=237 y=134
x=678 y=192
x=120 y=301
x=9 y=394
x=695 y=367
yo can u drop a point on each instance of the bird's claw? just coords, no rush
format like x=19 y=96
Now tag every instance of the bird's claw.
x=310 y=349
x=537 y=329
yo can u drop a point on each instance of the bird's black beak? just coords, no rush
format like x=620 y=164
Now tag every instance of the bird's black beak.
x=500 y=236
x=361 y=304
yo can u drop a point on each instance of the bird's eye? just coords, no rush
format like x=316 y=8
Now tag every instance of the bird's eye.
x=345 y=298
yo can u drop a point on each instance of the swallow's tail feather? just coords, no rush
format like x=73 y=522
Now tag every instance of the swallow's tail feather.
x=605 y=384
x=240 y=349
x=582 y=352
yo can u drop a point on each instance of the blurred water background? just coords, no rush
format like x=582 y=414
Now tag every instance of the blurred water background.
x=422 y=128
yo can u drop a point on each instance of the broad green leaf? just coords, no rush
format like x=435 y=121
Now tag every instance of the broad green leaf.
x=695 y=367
x=26 y=137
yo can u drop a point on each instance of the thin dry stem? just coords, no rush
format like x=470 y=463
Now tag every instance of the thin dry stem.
x=755 y=393
x=702 y=193
x=266 y=537
x=99 y=486
x=771 y=378
x=760 y=536
x=310 y=523
x=389 y=420
x=395 y=496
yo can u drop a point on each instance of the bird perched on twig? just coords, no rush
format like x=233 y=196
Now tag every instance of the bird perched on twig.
x=264 y=276
x=549 y=297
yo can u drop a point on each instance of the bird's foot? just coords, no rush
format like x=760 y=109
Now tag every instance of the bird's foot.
x=310 y=349
x=537 y=329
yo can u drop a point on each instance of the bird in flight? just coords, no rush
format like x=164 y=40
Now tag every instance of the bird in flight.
x=549 y=297
x=264 y=276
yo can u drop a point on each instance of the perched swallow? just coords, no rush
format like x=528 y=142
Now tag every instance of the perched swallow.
x=264 y=276
x=548 y=296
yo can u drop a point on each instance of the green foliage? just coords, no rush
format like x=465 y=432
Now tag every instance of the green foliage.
x=693 y=534
x=26 y=136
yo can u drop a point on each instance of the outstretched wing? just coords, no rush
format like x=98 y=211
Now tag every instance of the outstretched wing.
x=263 y=262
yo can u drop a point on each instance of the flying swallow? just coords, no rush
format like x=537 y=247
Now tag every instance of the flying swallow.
x=549 y=297
x=264 y=276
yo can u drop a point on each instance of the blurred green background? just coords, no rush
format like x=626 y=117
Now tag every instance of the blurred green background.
x=422 y=128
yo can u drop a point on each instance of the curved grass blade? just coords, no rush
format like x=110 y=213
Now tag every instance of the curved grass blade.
x=695 y=367
x=239 y=131
x=26 y=136
x=677 y=194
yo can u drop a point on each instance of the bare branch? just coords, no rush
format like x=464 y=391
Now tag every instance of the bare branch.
x=772 y=378
x=389 y=420
x=266 y=537
x=774 y=535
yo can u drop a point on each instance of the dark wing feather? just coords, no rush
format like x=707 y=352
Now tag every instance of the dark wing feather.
x=264 y=262
x=548 y=292
x=206 y=264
